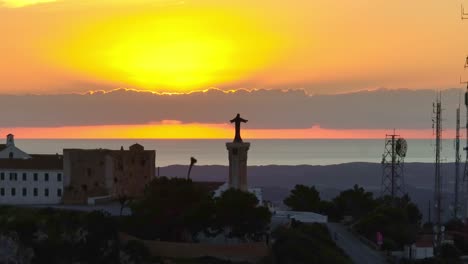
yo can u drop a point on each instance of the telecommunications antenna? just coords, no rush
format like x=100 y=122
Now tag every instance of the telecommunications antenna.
x=393 y=166
x=401 y=147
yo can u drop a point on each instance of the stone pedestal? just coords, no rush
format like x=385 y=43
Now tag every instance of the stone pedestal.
x=238 y=165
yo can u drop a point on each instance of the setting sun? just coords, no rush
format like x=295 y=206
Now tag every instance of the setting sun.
x=175 y=50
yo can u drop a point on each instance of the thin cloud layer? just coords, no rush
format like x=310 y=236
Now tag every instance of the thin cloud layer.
x=265 y=109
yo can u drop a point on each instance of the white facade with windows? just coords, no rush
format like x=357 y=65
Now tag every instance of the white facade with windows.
x=29 y=179
x=31 y=186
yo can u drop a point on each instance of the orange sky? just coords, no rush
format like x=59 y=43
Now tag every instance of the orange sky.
x=208 y=131
x=322 y=46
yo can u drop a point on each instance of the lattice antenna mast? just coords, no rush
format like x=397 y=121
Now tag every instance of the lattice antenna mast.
x=465 y=172
x=393 y=166
x=438 y=177
x=456 y=200
x=464 y=15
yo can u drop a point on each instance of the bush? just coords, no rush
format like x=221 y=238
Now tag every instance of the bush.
x=306 y=243
x=136 y=251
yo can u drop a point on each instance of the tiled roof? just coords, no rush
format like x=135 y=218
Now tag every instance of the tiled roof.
x=425 y=241
x=37 y=162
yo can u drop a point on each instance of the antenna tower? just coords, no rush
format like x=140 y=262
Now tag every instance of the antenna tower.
x=465 y=173
x=456 y=201
x=464 y=15
x=438 y=181
x=392 y=166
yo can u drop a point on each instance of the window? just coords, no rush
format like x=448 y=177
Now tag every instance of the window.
x=2 y=191
x=25 y=192
x=2 y=176
x=10 y=155
x=25 y=176
x=12 y=176
x=59 y=177
x=46 y=192
x=59 y=192
x=35 y=191
x=35 y=176
x=46 y=176
x=13 y=191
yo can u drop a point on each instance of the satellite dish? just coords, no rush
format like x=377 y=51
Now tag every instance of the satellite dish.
x=401 y=147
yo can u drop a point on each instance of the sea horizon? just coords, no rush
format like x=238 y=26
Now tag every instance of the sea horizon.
x=262 y=151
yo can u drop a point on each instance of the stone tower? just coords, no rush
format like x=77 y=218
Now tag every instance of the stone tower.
x=238 y=158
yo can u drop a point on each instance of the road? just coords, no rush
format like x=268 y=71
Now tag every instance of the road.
x=353 y=247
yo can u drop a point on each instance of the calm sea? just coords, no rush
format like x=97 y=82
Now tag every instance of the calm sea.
x=262 y=152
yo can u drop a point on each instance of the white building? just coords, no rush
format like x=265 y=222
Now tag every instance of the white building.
x=422 y=249
x=29 y=179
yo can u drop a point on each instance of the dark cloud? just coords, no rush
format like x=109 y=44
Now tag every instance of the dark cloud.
x=401 y=109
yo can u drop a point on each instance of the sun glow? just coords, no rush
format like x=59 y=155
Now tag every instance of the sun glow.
x=177 y=50
x=23 y=3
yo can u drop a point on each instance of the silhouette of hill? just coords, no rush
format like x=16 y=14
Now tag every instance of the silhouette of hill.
x=278 y=180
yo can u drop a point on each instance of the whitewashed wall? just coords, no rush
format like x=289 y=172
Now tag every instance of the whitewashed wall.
x=52 y=185
x=16 y=152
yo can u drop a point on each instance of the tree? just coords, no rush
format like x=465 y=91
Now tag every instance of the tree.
x=238 y=213
x=329 y=209
x=306 y=243
x=135 y=252
x=392 y=222
x=303 y=198
x=399 y=224
x=192 y=162
x=404 y=202
x=450 y=252
x=355 y=202
x=172 y=209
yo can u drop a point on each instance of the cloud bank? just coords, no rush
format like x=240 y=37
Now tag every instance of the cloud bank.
x=265 y=109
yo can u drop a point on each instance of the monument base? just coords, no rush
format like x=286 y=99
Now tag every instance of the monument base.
x=238 y=165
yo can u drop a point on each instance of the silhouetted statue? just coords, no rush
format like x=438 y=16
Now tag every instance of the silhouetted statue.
x=238 y=120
